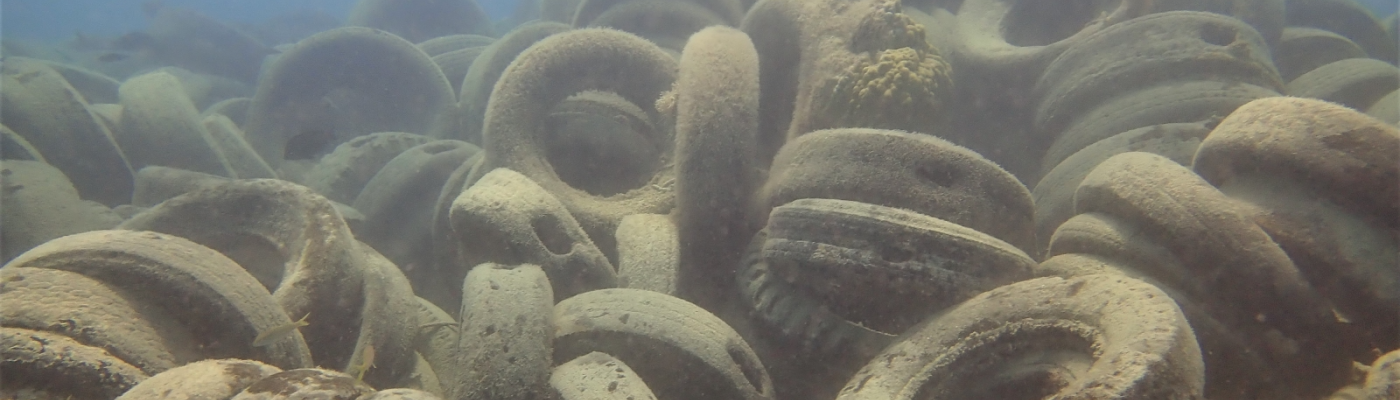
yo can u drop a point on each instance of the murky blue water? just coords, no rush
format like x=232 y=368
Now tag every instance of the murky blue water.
x=709 y=199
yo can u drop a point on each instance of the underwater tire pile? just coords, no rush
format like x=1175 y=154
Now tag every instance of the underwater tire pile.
x=520 y=269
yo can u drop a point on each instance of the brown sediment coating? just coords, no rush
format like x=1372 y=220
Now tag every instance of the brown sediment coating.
x=51 y=363
x=305 y=383
x=208 y=379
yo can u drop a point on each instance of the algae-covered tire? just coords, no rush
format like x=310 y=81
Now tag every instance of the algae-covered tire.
x=1348 y=18
x=208 y=379
x=1183 y=45
x=306 y=383
x=717 y=92
x=885 y=268
x=648 y=253
x=1341 y=154
x=1302 y=49
x=161 y=126
x=916 y=172
x=1318 y=178
x=455 y=64
x=553 y=69
x=57 y=365
x=444 y=240
x=290 y=238
x=598 y=376
x=398 y=201
x=16 y=147
x=340 y=84
x=1094 y=337
x=388 y=321
x=799 y=318
x=1094 y=243
x=1253 y=285
x=236 y=109
x=1355 y=82
x=1191 y=101
x=1054 y=194
x=679 y=349
x=156 y=184
x=437 y=337
x=227 y=139
x=420 y=20
x=1004 y=36
x=444 y=44
x=1383 y=379
x=1387 y=108
x=95 y=87
x=506 y=218
x=97 y=315
x=604 y=144
x=342 y=174
x=505 y=341
x=40 y=204
x=54 y=117
x=221 y=305
x=476 y=87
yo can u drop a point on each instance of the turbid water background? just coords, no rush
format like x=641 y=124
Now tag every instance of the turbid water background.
x=53 y=20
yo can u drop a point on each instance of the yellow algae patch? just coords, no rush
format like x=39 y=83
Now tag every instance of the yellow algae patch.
x=902 y=88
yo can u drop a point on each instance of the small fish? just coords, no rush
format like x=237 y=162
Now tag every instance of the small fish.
x=366 y=362
x=277 y=333
x=113 y=57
